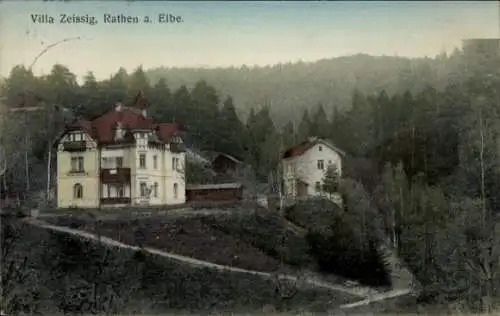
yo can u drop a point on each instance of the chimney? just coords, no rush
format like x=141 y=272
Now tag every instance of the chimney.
x=118 y=107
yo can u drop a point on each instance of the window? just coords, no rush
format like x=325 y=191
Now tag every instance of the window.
x=75 y=137
x=120 y=191
x=320 y=148
x=119 y=162
x=318 y=186
x=144 y=189
x=329 y=162
x=155 y=162
x=176 y=189
x=78 y=191
x=175 y=163
x=77 y=164
x=321 y=164
x=155 y=190
x=142 y=161
x=106 y=163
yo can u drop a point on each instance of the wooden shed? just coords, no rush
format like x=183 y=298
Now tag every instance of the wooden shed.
x=226 y=164
x=215 y=192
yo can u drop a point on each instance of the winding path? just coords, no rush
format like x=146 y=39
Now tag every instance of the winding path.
x=307 y=280
x=402 y=279
x=401 y=288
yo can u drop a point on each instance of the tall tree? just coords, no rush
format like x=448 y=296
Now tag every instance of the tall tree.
x=304 y=129
x=320 y=125
x=161 y=102
x=230 y=130
x=117 y=88
x=182 y=105
x=138 y=81
x=205 y=102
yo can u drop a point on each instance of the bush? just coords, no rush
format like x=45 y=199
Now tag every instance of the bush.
x=313 y=213
x=335 y=253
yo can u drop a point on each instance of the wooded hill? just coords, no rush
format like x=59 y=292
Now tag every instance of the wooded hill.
x=292 y=87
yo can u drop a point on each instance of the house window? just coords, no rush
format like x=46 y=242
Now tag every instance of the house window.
x=119 y=162
x=142 y=161
x=321 y=165
x=320 y=148
x=176 y=190
x=155 y=162
x=144 y=189
x=329 y=162
x=318 y=186
x=155 y=190
x=120 y=191
x=175 y=163
x=77 y=164
x=78 y=191
x=106 y=163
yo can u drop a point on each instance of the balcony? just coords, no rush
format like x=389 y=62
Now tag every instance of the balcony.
x=177 y=148
x=75 y=146
x=115 y=200
x=115 y=175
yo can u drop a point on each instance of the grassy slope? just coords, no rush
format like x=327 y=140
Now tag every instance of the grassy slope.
x=64 y=271
x=244 y=239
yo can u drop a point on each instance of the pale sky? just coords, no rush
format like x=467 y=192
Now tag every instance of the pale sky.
x=236 y=33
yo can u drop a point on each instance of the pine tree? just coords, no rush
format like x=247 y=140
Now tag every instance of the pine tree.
x=331 y=180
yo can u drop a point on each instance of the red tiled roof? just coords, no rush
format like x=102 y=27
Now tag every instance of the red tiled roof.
x=167 y=130
x=102 y=129
x=304 y=146
x=131 y=119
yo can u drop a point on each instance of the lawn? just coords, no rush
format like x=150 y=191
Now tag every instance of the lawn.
x=60 y=273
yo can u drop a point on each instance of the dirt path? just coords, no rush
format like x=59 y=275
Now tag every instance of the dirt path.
x=307 y=280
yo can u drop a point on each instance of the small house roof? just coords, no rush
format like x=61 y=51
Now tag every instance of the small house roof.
x=304 y=146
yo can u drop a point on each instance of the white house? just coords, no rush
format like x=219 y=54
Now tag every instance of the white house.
x=120 y=158
x=304 y=166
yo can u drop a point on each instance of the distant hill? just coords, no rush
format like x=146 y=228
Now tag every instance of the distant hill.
x=292 y=87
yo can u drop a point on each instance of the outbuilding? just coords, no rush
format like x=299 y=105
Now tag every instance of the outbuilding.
x=214 y=192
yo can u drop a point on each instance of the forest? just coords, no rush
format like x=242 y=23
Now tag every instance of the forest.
x=424 y=155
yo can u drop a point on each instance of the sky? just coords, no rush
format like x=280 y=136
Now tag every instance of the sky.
x=221 y=34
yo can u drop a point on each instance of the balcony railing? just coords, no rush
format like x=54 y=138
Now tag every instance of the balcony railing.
x=115 y=200
x=115 y=175
x=75 y=146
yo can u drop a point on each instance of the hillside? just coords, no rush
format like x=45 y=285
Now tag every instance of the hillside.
x=289 y=88
x=50 y=272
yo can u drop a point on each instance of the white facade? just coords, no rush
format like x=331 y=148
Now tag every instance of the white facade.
x=158 y=175
x=309 y=169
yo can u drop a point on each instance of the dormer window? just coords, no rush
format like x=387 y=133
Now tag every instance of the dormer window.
x=120 y=132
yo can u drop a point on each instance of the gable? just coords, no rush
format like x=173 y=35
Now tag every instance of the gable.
x=321 y=151
x=311 y=144
x=75 y=135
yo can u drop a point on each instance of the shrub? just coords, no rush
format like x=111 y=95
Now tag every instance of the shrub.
x=314 y=213
x=335 y=253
